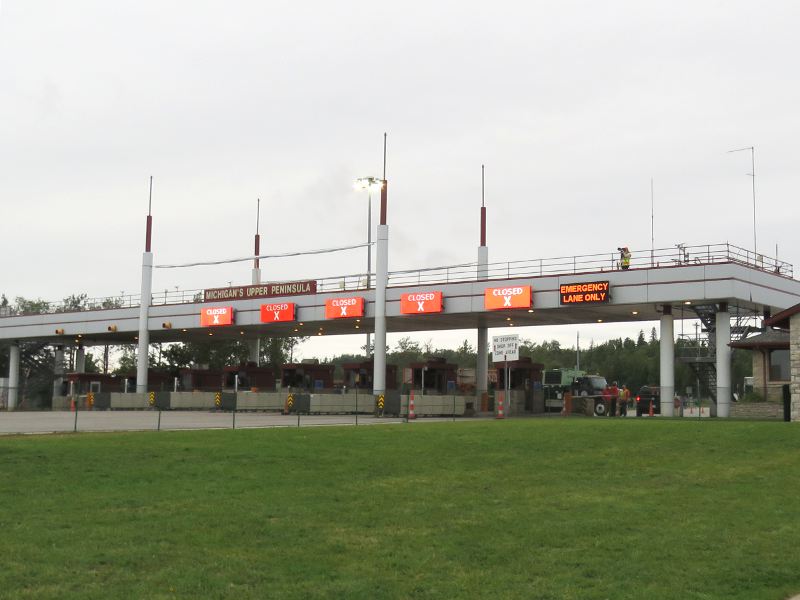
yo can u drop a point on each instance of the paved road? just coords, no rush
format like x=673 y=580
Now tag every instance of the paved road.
x=24 y=422
x=145 y=420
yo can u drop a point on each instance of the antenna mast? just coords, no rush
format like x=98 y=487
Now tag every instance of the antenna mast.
x=483 y=207
x=652 y=226
x=149 y=230
x=258 y=237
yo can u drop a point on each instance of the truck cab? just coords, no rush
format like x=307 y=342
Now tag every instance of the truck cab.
x=556 y=382
x=591 y=386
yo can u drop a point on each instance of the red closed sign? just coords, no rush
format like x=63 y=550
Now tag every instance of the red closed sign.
x=512 y=296
x=277 y=313
x=344 y=308
x=417 y=303
x=216 y=316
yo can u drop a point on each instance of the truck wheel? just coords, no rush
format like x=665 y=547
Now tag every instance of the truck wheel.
x=599 y=409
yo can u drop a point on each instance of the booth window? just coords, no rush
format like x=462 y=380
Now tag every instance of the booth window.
x=779 y=365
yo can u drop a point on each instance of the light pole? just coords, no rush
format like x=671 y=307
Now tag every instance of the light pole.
x=753 y=175
x=369 y=183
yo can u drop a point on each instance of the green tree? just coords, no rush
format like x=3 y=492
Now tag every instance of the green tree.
x=406 y=352
x=24 y=306
x=407 y=345
x=640 y=341
x=126 y=363
x=73 y=302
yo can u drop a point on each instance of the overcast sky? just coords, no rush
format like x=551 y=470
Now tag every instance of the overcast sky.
x=572 y=106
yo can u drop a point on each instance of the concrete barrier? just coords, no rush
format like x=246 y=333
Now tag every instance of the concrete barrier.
x=342 y=403
x=516 y=406
x=435 y=406
x=129 y=401
x=193 y=400
x=272 y=401
x=60 y=402
x=65 y=402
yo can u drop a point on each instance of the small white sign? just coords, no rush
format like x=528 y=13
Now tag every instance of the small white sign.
x=505 y=347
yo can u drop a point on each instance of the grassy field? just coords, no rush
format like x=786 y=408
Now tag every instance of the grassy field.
x=577 y=508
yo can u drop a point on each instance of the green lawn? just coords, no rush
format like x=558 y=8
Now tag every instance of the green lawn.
x=575 y=508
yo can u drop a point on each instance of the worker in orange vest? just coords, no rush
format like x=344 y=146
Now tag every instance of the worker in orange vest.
x=607 y=399
x=624 y=398
x=614 y=392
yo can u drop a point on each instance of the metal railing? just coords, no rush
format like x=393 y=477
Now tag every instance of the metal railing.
x=678 y=255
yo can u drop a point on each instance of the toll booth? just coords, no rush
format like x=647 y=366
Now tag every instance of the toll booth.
x=82 y=383
x=307 y=376
x=525 y=378
x=434 y=376
x=359 y=375
x=201 y=380
x=251 y=377
x=211 y=380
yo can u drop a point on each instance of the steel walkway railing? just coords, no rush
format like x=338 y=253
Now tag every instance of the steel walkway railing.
x=678 y=255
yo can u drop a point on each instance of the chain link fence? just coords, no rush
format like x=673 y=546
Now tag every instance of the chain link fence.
x=155 y=411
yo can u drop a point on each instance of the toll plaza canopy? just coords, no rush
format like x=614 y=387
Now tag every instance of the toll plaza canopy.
x=580 y=289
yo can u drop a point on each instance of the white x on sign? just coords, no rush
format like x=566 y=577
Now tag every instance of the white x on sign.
x=277 y=315
x=216 y=320
x=344 y=311
x=420 y=305
x=506 y=300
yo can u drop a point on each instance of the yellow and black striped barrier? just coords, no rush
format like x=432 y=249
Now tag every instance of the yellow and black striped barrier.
x=380 y=403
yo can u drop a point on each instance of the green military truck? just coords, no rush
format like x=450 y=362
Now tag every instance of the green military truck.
x=556 y=382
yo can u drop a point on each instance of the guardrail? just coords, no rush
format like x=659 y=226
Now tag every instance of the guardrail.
x=678 y=255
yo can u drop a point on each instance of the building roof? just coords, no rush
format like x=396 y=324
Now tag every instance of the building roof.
x=434 y=364
x=782 y=318
x=367 y=365
x=772 y=339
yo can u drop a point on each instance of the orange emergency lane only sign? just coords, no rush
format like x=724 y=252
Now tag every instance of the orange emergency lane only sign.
x=344 y=308
x=418 y=303
x=277 y=313
x=514 y=296
x=592 y=292
x=216 y=316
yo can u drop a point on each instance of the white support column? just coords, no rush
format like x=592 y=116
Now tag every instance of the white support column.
x=143 y=354
x=80 y=360
x=369 y=261
x=667 y=361
x=723 y=340
x=381 y=277
x=13 y=376
x=482 y=351
x=254 y=346
x=58 y=370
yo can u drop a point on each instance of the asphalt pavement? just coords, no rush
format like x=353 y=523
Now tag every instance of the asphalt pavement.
x=30 y=422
